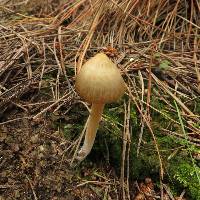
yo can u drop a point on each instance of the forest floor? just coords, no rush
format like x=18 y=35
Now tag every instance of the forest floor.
x=34 y=165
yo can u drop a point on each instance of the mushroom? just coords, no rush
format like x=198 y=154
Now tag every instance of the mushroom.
x=98 y=82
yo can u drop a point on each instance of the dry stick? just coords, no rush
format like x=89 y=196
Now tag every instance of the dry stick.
x=56 y=23
x=93 y=182
x=49 y=107
x=164 y=86
x=139 y=20
x=80 y=137
x=87 y=40
x=151 y=131
x=56 y=57
x=57 y=85
x=148 y=125
x=198 y=27
x=81 y=17
x=167 y=22
x=149 y=88
x=123 y=154
x=78 y=145
x=126 y=149
x=191 y=140
x=195 y=61
x=17 y=55
x=32 y=188
x=27 y=59
x=182 y=194
x=142 y=108
x=128 y=146
x=13 y=120
x=189 y=29
x=59 y=64
x=62 y=64
x=18 y=35
x=166 y=116
x=167 y=189
x=43 y=64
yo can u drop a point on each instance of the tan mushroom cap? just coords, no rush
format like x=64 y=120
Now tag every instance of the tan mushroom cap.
x=99 y=80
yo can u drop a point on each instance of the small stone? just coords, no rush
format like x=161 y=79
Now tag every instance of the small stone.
x=14 y=147
x=41 y=148
x=34 y=139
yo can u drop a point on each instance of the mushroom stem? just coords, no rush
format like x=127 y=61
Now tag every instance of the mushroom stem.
x=92 y=126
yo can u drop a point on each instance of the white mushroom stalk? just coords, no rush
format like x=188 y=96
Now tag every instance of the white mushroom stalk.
x=98 y=82
x=92 y=126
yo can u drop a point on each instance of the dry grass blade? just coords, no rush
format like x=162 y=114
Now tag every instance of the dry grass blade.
x=125 y=154
x=87 y=41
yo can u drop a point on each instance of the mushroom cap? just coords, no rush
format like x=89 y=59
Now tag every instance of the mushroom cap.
x=99 y=80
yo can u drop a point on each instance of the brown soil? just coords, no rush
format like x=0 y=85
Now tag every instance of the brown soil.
x=34 y=164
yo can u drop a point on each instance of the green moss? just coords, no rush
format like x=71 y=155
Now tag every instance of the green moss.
x=185 y=175
x=178 y=166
